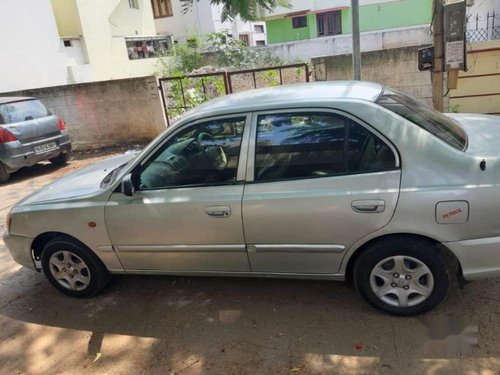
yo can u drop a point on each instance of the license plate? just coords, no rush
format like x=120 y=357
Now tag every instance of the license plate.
x=45 y=148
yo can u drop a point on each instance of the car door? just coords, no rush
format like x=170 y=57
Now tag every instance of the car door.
x=318 y=180
x=186 y=212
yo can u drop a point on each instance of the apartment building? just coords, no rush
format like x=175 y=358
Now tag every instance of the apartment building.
x=57 y=42
x=108 y=39
x=203 y=18
x=308 y=19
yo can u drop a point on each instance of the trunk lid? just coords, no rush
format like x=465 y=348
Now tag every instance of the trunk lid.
x=483 y=132
x=28 y=120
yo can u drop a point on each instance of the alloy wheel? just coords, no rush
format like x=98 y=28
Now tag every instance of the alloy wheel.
x=402 y=281
x=69 y=270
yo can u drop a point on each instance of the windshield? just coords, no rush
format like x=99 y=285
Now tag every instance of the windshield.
x=427 y=118
x=22 y=111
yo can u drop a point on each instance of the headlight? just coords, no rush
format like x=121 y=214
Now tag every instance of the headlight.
x=9 y=222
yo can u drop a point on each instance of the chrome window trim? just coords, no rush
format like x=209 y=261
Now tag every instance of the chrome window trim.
x=371 y=129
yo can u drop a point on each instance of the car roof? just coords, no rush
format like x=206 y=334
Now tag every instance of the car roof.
x=296 y=93
x=12 y=99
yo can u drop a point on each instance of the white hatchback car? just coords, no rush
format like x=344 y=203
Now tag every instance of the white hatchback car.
x=322 y=181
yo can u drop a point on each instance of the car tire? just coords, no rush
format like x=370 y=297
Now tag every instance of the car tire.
x=4 y=174
x=73 y=269
x=402 y=276
x=61 y=159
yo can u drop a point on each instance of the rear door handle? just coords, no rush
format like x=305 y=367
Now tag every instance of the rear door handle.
x=218 y=211
x=368 y=206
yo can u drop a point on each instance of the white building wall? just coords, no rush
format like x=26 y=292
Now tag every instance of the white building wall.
x=258 y=36
x=138 y=21
x=181 y=26
x=75 y=52
x=215 y=20
x=248 y=28
x=105 y=24
x=32 y=53
x=203 y=18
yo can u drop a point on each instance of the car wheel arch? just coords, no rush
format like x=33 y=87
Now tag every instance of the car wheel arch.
x=43 y=239
x=440 y=247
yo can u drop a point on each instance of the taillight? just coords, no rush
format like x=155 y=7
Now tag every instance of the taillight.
x=62 y=125
x=6 y=136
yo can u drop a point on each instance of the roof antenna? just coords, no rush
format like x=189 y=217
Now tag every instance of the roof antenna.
x=482 y=165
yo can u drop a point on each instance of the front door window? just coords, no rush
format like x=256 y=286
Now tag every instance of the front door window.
x=199 y=155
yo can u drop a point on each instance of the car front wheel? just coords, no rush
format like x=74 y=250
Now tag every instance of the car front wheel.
x=402 y=276
x=72 y=268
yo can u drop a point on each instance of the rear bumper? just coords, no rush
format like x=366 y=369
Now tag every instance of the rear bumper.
x=16 y=155
x=479 y=258
x=20 y=249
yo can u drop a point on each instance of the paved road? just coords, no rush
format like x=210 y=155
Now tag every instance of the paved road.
x=162 y=325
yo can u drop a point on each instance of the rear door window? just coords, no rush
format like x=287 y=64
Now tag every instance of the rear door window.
x=25 y=110
x=308 y=145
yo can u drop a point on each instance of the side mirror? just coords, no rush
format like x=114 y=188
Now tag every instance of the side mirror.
x=128 y=186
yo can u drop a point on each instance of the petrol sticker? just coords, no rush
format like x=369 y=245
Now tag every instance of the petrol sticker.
x=452 y=213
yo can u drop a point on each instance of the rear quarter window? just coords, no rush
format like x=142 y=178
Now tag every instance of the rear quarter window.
x=427 y=118
x=22 y=111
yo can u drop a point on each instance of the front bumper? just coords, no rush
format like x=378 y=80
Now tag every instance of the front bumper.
x=16 y=155
x=479 y=258
x=20 y=249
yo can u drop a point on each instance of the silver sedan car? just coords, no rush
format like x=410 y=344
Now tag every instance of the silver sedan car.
x=335 y=180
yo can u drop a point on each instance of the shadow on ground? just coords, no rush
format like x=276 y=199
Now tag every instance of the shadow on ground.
x=27 y=173
x=234 y=325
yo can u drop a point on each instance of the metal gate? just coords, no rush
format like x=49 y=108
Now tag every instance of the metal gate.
x=180 y=93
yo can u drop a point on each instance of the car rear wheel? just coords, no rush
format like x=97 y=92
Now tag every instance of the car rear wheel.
x=4 y=174
x=402 y=276
x=72 y=268
x=61 y=159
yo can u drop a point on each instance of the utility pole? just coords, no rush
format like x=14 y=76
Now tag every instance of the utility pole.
x=437 y=73
x=356 y=47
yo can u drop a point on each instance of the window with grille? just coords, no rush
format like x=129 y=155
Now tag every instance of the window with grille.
x=259 y=29
x=329 y=23
x=299 y=22
x=162 y=8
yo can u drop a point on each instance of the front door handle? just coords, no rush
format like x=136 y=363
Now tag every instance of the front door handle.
x=218 y=211
x=368 y=206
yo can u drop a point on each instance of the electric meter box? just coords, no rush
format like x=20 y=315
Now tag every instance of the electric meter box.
x=426 y=58
x=454 y=36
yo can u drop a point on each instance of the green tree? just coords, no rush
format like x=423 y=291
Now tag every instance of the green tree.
x=248 y=10
x=234 y=54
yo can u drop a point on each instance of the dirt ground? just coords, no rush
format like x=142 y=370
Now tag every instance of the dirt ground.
x=180 y=325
